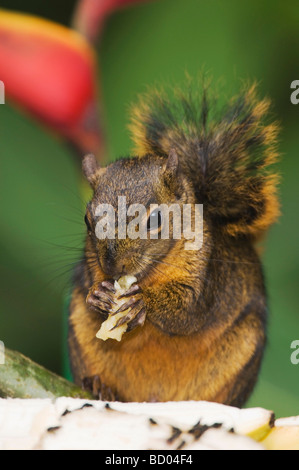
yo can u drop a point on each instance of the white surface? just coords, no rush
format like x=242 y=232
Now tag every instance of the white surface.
x=24 y=424
x=291 y=421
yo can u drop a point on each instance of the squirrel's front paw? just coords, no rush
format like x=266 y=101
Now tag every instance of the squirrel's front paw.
x=134 y=307
x=100 y=298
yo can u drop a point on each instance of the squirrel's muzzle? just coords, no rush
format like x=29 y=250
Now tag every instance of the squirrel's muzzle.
x=112 y=263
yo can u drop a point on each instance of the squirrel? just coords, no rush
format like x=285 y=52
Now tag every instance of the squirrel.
x=197 y=319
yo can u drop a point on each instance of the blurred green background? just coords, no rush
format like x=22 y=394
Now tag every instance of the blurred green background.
x=42 y=209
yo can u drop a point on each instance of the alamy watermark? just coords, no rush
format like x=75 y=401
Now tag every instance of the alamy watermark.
x=2 y=93
x=151 y=222
x=295 y=354
x=295 y=94
x=2 y=353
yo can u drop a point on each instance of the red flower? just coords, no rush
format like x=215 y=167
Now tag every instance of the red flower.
x=49 y=70
x=91 y=14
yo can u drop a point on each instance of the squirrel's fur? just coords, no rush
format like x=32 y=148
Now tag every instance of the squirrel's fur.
x=205 y=327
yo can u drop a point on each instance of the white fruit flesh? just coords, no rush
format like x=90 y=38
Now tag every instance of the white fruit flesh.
x=106 y=331
x=44 y=424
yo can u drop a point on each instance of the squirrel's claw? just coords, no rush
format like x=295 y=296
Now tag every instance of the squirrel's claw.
x=136 y=312
x=133 y=290
x=124 y=307
x=138 y=320
x=100 y=297
x=99 y=390
x=109 y=285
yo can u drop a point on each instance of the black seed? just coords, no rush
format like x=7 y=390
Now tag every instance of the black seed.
x=272 y=420
x=53 y=429
x=176 y=432
x=216 y=425
x=198 y=430
x=152 y=421
x=86 y=405
x=181 y=445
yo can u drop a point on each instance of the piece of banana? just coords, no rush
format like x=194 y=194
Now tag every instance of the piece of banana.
x=106 y=331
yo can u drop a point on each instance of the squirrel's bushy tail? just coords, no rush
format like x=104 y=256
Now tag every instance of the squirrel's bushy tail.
x=226 y=152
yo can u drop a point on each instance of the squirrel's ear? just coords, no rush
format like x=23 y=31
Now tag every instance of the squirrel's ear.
x=90 y=168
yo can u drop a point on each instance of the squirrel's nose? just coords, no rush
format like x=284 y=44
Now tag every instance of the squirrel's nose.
x=111 y=265
x=109 y=261
x=113 y=270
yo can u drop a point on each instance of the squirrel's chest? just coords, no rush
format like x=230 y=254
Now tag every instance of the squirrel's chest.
x=147 y=365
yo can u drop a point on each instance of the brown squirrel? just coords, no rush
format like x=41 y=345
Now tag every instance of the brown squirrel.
x=197 y=319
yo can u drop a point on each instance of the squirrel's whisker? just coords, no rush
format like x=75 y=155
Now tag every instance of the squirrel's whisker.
x=149 y=257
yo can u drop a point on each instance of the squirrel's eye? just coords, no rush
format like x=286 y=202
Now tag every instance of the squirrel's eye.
x=87 y=223
x=154 y=221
